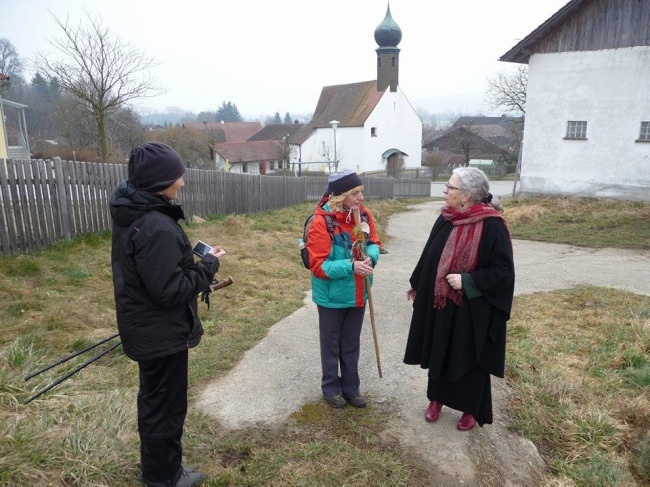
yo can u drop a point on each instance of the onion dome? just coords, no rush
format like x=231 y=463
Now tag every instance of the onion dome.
x=388 y=33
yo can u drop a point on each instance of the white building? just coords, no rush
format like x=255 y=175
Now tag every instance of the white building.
x=587 y=127
x=376 y=128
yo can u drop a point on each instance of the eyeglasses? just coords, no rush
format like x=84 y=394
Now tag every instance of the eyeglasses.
x=450 y=187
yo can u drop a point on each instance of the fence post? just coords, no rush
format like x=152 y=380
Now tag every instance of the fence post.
x=62 y=202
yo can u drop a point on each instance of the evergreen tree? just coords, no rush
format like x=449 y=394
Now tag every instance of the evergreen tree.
x=228 y=112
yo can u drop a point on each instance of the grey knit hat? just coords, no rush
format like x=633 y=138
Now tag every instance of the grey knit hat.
x=342 y=181
x=154 y=166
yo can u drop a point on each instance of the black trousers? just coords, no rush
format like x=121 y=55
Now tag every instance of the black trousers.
x=162 y=407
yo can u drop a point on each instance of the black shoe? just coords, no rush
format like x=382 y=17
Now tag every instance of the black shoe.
x=189 y=478
x=382 y=250
x=336 y=401
x=357 y=401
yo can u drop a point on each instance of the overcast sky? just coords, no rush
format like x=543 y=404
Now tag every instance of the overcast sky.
x=270 y=56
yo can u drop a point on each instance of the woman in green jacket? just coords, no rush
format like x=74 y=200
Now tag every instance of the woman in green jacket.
x=339 y=267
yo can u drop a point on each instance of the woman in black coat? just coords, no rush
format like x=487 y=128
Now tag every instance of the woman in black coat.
x=462 y=290
x=156 y=284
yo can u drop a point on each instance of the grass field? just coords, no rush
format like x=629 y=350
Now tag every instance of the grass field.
x=578 y=361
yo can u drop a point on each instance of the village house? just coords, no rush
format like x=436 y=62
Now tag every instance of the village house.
x=587 y=124
x=14 y=143
x=264 y=152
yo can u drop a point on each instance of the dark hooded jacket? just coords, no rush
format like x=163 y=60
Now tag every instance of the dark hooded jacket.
x=156 y=280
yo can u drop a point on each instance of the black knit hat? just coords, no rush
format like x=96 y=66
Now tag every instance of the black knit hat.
x=342 y=181
x=154 y=166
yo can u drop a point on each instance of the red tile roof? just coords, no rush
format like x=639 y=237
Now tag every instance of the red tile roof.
x=250 y=151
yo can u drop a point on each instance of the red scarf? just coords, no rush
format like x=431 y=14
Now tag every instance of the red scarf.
x=461 y=250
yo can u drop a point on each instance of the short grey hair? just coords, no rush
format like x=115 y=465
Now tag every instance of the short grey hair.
x=474 y=183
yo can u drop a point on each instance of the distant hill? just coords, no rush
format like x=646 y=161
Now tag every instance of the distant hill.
x=149 y=117
x=166 y=118
x=452 y=106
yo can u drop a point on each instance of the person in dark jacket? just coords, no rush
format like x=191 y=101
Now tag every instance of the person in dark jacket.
x=462 y=290
x=156 y=283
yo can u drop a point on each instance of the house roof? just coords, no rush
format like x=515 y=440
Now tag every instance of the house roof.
x=228 y=131
x=459 y=140
x=498 y=130
x=350 y=104
x=248 y=151
x=503 y=121
x=13 y=104
x=276 y=131
x=521 y=52
x=390 y=152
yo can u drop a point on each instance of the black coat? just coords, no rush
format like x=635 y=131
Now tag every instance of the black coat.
x=455 y=339
x=156 y=280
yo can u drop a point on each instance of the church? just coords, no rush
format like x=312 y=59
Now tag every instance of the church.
x=364 y=126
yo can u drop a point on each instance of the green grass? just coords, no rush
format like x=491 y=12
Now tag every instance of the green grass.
x=577 y=360
x=572 y=355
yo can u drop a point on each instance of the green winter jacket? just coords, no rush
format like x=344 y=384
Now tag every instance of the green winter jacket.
x=333 y=282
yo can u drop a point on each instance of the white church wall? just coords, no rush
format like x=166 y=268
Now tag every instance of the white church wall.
x=397 y=127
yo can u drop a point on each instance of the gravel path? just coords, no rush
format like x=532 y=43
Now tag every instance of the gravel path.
x=282 y=372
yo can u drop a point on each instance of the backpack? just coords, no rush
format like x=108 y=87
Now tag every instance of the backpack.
x=302 y=243
x=331 y=224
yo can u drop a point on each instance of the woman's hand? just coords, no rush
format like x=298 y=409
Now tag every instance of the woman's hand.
x=217 y=251
x=410 y=294
x=454 y=281
x=363 y=267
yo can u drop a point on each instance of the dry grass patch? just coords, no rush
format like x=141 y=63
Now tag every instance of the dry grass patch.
x=578 y=360
x=586 y=222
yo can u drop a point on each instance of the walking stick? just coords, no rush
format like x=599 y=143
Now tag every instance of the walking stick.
x=216 y=285
x=361 y=228
x=71 y=356
x=71 y=373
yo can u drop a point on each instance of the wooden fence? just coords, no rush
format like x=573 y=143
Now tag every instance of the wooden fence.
x=47 y=201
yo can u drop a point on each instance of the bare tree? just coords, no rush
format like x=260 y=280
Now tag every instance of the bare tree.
x=508 y=91
x=192 y=145
x=10 y=63
x=74 y=123
x=99 y=70
x=435 y=161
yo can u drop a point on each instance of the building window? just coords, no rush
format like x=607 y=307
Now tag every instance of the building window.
x=576 y=130
x=244 y=167
x=373 y=131
x=271 y=165
x=644 y=135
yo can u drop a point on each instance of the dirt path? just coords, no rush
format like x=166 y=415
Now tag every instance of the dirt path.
x=282 y=372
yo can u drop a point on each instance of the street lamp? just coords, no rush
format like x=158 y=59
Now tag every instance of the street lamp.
x=334 y=124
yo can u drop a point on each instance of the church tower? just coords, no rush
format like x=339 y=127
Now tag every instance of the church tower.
x=388 y=35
